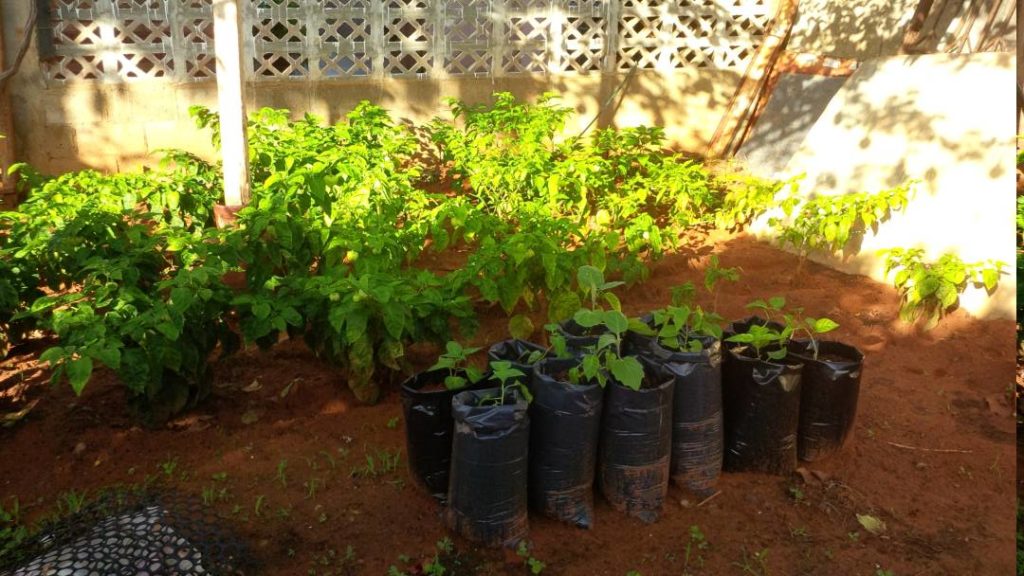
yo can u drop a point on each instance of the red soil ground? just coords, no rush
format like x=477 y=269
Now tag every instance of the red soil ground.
x=932 y=454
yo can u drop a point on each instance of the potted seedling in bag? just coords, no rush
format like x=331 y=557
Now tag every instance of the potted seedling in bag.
x=636 y=426
x=427 y=407
x=685 y=342
x=487 y=494
x=761 y=397
x=565 y=425
x=592 y=284
x=767 y=313
x=522 y=353
x=829 y=388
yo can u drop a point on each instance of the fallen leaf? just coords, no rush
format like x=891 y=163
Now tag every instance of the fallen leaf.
x=871 y=524
x=253 y=387
x=252 y=416
x=805 y=475
x=288 y=389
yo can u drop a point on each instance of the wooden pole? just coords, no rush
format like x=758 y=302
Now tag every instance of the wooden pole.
x=227 y=26
x=7 y=193
x=741 y=106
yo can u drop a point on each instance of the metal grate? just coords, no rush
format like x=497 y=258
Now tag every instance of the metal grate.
x=125 y=40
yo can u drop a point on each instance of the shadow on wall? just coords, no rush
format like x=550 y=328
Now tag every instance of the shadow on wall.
x=845 y=29
x=939 y=119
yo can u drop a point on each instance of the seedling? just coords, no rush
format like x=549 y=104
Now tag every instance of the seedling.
x=392 y=423
x=755 y=564
x=713 y=275
x=768 y=343
x=455 y=358
x=523 y=551
x=510 y=379
x=680 y=327
x=71 y=502
x=169 y=466
x=606 y=357
x=257 y=510
x=698 y=543
x=312 y=485
x=810 y=326
x=378 y=464
x=12 y=531
x=282 y=473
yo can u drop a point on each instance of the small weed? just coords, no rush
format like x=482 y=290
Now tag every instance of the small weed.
x=311 y=486
x=12 y=531
x=797 y=494
x=755 y=564
x=378 y=464
x=800 y=532
x=212 y=495
x=71 y=502
x=698 y=543
x=258 y=507
x=282 y=473
x=330 y=459
x=168 y=467
x=393 y=423
x=284 y=512
x=535 y=566
x=881 y=572
x=220 y=477
x=854 y=536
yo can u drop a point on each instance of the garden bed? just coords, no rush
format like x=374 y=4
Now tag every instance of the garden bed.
x=931 y=454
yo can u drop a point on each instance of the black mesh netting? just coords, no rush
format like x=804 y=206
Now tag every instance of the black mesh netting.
x=137 y=534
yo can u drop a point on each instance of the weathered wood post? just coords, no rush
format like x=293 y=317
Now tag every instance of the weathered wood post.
x=227 y=25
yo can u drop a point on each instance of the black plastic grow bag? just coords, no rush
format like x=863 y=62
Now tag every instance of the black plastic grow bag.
x=428 y=430
x=565 y=424
x=761 y=401
x=829 y=389
x=636 y=444
x=577 y=337
x=515 y=351
x=487 y=494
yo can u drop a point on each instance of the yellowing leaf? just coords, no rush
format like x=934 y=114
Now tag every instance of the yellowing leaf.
x=871 y=524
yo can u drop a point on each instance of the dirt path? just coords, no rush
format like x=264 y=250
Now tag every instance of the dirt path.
x=932 y=455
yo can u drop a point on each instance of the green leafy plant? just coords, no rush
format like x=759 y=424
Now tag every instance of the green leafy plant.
x=714 y=274
x=745 y=197
x=456 y=361
x=828 y=223
x=932 y=289
x=509 y=379
x=534 y=565
x=13 y=532
x=606 y=357
x=696 y=544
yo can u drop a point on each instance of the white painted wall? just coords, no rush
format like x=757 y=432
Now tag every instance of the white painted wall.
x=947 y=120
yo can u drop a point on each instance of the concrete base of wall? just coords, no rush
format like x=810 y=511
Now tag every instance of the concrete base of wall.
x=119 y=126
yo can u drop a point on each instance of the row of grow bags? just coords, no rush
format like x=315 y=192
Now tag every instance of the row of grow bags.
x=491 y=462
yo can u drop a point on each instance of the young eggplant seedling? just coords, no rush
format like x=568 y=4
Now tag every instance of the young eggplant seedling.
x=456 y=359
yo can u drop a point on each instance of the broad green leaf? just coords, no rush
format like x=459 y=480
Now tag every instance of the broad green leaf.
x=639 y=327
x=588 y=318
x=990 y=277
x=777 y=302
x=590 y=278
x=563 y=306
x=261 y=310
x=521 y=327
x=616 y=321
x=612 y=300
x=823 y=325
x=78 y=372
x=628 y=371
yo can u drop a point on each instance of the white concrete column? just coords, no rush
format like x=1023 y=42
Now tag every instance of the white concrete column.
x=227 y=26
